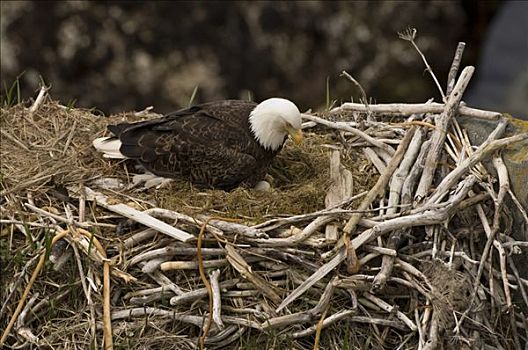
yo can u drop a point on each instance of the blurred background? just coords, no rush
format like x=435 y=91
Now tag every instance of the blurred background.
x=119 y=56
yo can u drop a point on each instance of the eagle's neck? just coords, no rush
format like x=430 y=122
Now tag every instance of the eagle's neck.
x=268 y=129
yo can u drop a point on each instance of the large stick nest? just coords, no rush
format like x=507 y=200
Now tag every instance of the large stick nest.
x=327 y=257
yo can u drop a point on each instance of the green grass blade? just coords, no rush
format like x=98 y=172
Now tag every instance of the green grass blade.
x=193 y=95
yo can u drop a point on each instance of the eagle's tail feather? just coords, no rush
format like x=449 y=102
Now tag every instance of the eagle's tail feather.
x=109 y=146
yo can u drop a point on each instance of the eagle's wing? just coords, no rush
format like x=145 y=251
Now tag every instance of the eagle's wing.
x=193 y=144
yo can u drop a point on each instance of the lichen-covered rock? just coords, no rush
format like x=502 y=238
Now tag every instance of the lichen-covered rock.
x=515 y=158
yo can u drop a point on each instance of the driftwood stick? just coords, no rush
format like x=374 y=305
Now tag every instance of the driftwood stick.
x=518 y=205
x=236 y=228
x=191 y=265
x=224 y=337
x=414 y=174
x=217 y=303
x=163 y=281
x=489 y=146
x=428 y=217
x=485 y=254
x=348 y=314
x=374 y=159
x=504 y=186
x=152 y=311
x=451 y=77
x=387 y=262
x=240 y=264
x=340 y=189
x=39 y=99
x=171 y=214
x=138 y=216
x=432 y=343
x=171 y=251
x=481 y=153
x=396 y=185
x=400 y=175
x=425 y=218
x=356 y=132
x=162 y=294
x=382 y=182
x=406 y=109
x=387 y=307
x=297 y=237
x=153 y=265
x=439 y=134
x=200 y=293
x=522 y=289
x=87 y=293
x=139 y=237
x=275 y=223
x=304 y=316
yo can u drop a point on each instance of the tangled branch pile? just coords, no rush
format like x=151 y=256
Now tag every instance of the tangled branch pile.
x=334 y=257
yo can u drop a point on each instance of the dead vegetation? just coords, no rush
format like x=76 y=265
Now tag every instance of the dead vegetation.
x=412 y=249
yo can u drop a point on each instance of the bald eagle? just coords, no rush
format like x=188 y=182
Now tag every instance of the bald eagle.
x=220 y=144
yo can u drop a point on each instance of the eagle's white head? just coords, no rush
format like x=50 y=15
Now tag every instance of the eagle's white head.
x=273 y=119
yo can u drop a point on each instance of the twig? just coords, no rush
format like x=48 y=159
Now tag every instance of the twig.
x=318 y=330
x=374 y=159
x=304 y=316
x=405 y=109
x=383 y=305
x=239 y=264
x=356 y=132
x=217 y=304
x=524 y=294
x=191 y=265
x=439 y=134
x=409 y=35
x=274 y=223
x=152 y=311
x=382 y=182
x=432 y=343
x=138 y=216
x=21 y=318
x=39 y=99
x=481 y=153
x=363 y=93
x=86 y=293
x=519 y=206
x=200 y=293
x=451 y=77
x=349 y=314
x=396 y=186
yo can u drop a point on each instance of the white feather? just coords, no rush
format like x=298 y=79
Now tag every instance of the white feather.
x=271 y=119
x=109 y=147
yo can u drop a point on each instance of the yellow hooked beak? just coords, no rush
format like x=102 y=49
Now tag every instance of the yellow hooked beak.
x=296 y=135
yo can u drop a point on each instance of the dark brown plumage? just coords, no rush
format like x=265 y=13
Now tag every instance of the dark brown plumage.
x=211 y=145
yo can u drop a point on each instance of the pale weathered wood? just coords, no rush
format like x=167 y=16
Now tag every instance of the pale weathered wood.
x=340 y=189
x=136 y=215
